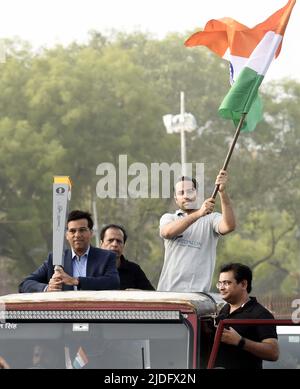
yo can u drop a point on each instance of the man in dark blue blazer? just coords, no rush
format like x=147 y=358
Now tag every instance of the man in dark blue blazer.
x=85 y=267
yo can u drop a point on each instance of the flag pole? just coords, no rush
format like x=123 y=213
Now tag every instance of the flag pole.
x=227 y=159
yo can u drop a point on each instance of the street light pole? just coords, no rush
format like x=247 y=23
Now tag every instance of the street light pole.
x=182 y=135
x=96 y=226
x=181 y=124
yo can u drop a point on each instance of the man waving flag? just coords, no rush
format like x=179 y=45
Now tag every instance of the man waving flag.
x=250 y=52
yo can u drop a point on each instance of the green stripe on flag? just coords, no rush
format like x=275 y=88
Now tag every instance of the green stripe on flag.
x=243 y=98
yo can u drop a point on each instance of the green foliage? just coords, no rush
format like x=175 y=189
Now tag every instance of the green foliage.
x=66 y=110
x=266 y=242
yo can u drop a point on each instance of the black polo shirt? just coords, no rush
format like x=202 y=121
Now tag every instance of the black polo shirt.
x=132 y=276
x=231 y=357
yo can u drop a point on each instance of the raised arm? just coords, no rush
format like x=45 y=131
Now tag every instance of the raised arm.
x=177 y=227
x=227 y=223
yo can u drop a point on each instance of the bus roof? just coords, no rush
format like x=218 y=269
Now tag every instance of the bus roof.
x=202 y=303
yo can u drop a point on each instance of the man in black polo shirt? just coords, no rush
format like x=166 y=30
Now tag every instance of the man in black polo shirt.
x=242 y=346
x=113 y=237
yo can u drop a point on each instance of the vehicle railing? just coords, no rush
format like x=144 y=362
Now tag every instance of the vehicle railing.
x=223 y=323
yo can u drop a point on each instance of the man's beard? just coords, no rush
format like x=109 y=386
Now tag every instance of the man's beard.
x=190 y=205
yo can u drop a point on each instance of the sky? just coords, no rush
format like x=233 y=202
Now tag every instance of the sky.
x=49 y=22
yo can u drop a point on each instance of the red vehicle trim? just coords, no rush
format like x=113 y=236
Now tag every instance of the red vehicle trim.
x=222 y=323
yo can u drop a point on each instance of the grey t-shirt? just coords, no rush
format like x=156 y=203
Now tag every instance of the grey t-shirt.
x=190 y=257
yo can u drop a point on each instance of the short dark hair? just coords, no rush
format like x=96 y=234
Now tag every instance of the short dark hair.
x=241 y=272
x=76 y=215
x=187 y=178
x=116 y=227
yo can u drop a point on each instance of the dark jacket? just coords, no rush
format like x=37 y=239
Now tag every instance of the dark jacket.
x=132 y=276
x=101 y=273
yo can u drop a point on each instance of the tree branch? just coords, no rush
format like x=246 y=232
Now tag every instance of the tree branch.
x=275 y=241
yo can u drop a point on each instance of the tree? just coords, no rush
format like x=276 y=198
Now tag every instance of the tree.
x=65 y=110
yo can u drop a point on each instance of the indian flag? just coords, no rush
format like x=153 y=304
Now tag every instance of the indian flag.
x=250 y=52
x=81 y=359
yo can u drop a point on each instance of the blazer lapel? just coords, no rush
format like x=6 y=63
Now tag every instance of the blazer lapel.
x=89 y=264
x=68 y=268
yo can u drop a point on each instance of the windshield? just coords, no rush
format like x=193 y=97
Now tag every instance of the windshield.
x=95 y=345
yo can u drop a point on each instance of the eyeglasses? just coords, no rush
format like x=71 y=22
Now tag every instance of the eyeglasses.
x=80 y=230
x=226 y=283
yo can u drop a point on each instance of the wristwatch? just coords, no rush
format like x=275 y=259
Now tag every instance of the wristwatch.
x=241 y=343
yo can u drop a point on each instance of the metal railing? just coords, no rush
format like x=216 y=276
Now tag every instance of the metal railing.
x=248 y=322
